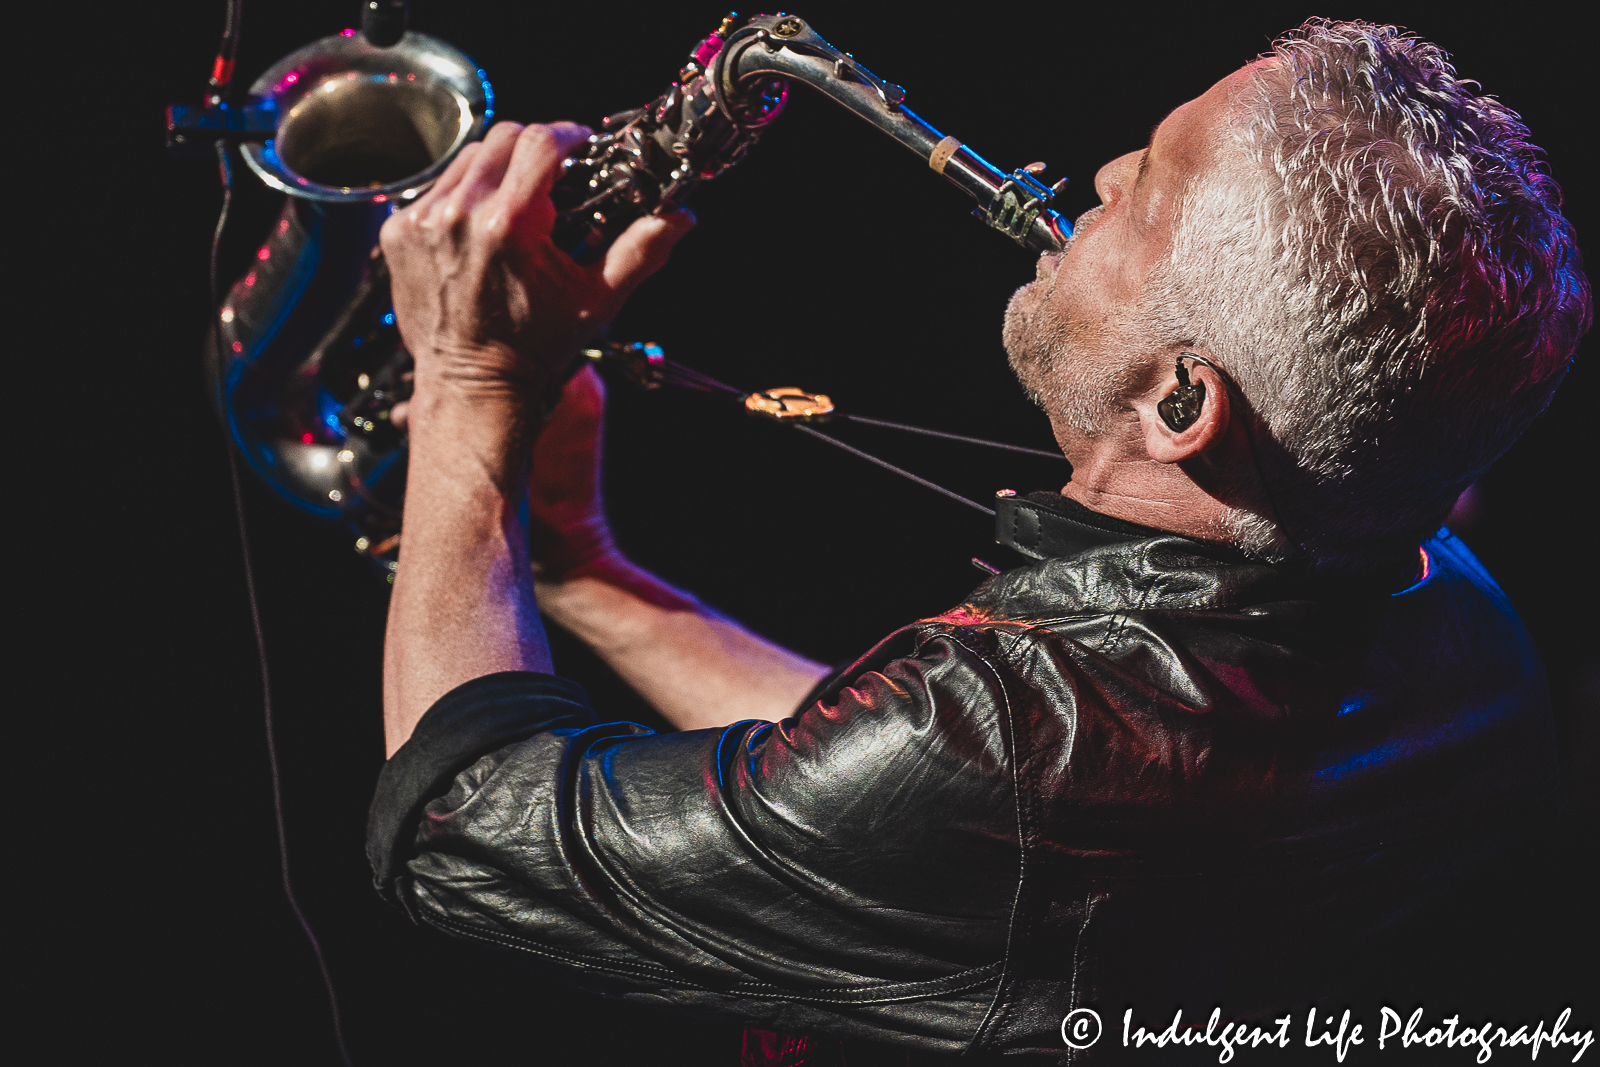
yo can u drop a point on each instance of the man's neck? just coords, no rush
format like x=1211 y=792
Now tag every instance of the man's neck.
x=1113 y=474
x=1151 y=500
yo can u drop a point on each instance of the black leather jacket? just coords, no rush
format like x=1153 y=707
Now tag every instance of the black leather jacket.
x=1149 y=772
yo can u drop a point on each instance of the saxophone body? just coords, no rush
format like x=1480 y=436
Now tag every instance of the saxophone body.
x=306 y=364
x=308 y=328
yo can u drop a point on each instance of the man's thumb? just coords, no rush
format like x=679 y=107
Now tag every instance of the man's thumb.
x=642 y=249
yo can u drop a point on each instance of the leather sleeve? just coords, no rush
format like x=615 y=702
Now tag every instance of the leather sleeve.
x=471 y=719
x=851 y=869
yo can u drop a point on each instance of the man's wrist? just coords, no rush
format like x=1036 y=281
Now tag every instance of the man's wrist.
x=487 y=426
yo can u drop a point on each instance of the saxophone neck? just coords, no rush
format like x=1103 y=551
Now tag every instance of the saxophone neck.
x=784 y=46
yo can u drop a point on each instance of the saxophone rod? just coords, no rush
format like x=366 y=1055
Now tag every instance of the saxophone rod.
x=1015 y=203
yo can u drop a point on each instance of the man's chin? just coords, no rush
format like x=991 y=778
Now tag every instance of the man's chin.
x=1018 y=325
x=1021 y=343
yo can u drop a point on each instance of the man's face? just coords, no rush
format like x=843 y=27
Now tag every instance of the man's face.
x=1076 y=335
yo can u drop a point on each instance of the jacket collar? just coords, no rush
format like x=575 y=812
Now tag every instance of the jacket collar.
x=1081 y=560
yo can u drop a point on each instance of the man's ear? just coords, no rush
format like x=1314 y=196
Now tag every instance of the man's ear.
x=1210 y=426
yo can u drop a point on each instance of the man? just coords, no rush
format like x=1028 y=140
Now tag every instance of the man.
x=1240 y=713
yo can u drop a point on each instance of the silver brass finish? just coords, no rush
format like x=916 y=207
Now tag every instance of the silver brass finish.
x=1017 y=204
x=361 y=124
x=306 y=364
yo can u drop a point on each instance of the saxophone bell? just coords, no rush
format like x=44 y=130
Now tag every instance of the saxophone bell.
x=307 y=334
x=361 y=124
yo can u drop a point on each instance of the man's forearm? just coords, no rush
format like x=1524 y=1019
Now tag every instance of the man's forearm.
x=492 y=312
x=463 y=602
x=464 y=597
x=697 y=668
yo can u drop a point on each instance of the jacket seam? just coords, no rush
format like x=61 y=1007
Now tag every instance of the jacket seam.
x=1089 y=901
x=972 y=978
x=999 y=1008
x=1120 y=620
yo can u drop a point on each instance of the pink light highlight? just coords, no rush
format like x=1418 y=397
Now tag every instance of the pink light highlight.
x=708 y=49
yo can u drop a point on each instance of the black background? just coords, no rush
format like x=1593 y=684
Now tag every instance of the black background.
x=831 y=259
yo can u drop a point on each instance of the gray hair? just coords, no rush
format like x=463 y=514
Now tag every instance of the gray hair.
x=1384 y=270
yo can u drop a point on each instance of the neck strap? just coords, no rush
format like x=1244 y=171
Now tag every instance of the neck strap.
x=1049 y=525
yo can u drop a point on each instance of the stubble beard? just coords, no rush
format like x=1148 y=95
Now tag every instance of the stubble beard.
x=1064 y=366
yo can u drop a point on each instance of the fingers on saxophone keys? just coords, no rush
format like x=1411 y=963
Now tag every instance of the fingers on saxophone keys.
x=536 y=162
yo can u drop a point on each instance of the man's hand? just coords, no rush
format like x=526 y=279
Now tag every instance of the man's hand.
x=484 y=300
x=492 y=313
x=696 y=667
x=569 y=537
x=567 y=529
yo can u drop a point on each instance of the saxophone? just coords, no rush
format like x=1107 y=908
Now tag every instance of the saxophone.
x=304 y=361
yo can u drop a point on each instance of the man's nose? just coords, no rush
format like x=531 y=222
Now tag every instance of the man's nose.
x=1117 y=177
